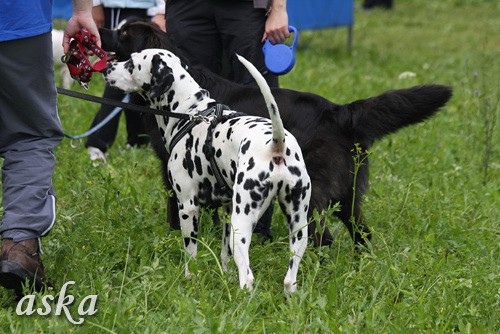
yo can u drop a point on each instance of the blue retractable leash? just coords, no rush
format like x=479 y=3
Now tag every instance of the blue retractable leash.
x=113 y=113
x=280 y=58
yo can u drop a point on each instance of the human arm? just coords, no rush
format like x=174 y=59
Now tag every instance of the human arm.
x=159 y=20
x=98 y=14
x=81 y=18
x=158 y=14
x=276 y=29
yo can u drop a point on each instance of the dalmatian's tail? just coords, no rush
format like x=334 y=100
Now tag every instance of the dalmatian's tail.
x=272 y=107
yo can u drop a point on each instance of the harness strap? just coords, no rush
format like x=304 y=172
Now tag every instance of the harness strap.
x=209 y=149
x=190 y=125
x=216 y=112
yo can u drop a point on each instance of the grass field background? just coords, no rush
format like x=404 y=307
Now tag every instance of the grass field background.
x=432 y=267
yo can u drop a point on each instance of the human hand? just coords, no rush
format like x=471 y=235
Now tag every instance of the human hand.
x=98 y=15
x=81 y=18
x=276 y=29
x=159 y=20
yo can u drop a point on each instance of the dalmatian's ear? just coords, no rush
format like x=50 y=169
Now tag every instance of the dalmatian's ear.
x=162 y=77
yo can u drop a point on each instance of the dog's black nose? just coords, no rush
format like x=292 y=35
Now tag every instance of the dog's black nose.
x=109 y=68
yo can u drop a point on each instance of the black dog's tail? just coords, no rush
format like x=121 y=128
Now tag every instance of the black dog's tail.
x=375 y=117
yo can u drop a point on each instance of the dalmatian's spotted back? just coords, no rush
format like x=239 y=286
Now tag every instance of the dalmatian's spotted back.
x=257 y=158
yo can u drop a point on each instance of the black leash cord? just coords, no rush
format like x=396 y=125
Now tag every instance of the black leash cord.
x=128 y=106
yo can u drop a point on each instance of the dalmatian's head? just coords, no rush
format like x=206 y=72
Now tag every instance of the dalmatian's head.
x=151 y=72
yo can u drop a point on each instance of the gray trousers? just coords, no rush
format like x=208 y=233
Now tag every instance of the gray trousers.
x=29 y=130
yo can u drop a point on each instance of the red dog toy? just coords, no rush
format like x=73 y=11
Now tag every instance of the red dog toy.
x=76 y=59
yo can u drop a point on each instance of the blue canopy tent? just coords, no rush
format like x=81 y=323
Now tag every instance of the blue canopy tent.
x=318 y=14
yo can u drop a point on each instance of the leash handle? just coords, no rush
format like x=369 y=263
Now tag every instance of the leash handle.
x=76 y=59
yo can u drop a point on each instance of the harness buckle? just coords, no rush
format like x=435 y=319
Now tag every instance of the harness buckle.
x=202 y=118
x=66 y=57
x=84 y=85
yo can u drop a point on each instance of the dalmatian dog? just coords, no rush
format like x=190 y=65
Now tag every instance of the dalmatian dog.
x=237 y=161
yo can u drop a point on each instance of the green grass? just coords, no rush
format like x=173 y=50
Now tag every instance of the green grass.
x=433 y=265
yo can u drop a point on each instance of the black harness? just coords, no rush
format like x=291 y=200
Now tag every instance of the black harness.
x=213 y=115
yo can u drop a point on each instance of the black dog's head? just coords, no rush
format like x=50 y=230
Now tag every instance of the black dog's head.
x=134 y=35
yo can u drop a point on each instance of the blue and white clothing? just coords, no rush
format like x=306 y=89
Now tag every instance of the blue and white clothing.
x=154 y=7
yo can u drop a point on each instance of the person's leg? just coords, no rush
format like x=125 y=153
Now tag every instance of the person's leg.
x=241 y=27
x=105 y=136
x=192 y=28
x=30 y=129
x=137 y=134
x=136 y=131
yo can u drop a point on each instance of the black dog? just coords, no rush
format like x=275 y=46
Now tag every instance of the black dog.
x=326 y=132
